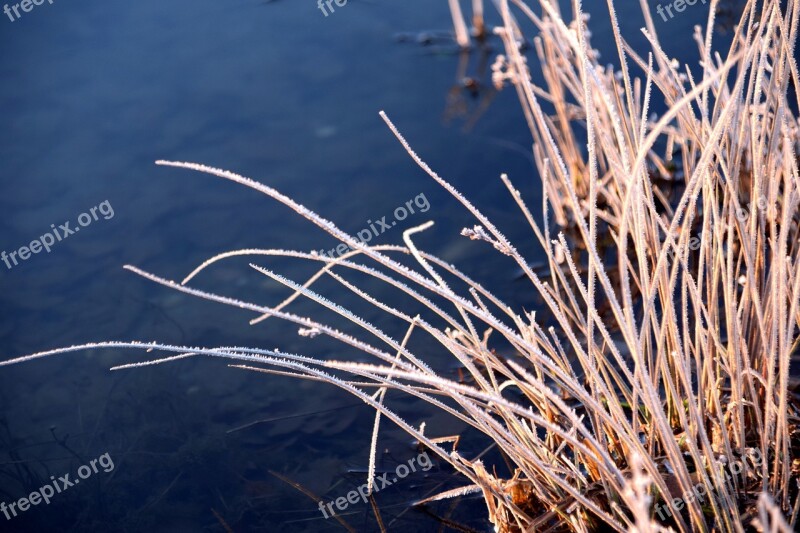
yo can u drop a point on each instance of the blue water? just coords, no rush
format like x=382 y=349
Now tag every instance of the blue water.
x=92 y=94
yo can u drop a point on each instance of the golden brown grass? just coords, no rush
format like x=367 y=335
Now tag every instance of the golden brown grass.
x=662 y=365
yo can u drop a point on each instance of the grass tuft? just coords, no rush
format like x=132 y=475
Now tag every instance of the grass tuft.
x=671 y=280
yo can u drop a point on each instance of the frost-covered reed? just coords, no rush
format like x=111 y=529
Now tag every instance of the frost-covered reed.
x=661 y=364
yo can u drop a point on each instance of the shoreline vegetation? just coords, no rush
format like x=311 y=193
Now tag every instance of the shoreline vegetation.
x=667 y=351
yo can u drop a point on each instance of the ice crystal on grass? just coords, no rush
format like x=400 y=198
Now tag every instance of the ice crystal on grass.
x=660 y=362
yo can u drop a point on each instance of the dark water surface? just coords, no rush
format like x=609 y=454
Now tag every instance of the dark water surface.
x=92 y=94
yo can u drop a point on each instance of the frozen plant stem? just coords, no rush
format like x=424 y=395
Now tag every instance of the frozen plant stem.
x=671 y=321
x=462 y=35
